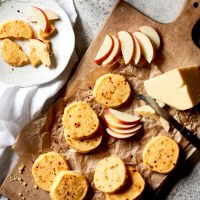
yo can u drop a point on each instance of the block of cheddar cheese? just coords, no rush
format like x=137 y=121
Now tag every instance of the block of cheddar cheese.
x=178 y=88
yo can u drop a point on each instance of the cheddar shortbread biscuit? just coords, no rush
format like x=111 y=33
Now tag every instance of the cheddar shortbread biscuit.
x=35 y=61
x=110 y=174
x=46 y=167
x=85 y=145
x=46 y=35
x=80 y=120
x=111 y=90
x=161 y=154
x=132 y=189
x=69 y=185
x=17 y=29
x=12 y=53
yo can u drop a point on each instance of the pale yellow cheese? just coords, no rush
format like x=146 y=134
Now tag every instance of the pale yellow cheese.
x=165 y=124
x=178 y=88
x=146 y=111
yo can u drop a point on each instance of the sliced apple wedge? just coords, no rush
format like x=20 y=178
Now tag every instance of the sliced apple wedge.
x=115 y=52
x=127 y=46
x=147 y=47
x=110 y=122
x=138 y=51
x=41 y=19
x=121 y=117
x=105 y=50
x=119 y=136
x=152 y=34
x=41 y=50
x=51 y=15
x=127 y=131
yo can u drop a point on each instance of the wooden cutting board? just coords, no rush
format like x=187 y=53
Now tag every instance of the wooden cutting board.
x=177 y=50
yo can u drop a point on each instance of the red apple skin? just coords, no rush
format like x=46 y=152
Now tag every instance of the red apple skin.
x=107 y=112
x=122 y=132
x=100 y=60
x=37 y=39
x=120 y=136
x=117 y=54
x=48 y=26
x=118 y=127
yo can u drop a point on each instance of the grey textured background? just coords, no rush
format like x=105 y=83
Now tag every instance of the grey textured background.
x=184 y=183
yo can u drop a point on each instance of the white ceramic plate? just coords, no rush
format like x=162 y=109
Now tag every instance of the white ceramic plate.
x=62 y=44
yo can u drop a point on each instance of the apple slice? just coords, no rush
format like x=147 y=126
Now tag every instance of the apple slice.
x=121 y=117
x=41 y=19
x=127 y=131
x=127 y=46
x=152 y=34
x=115 y=52
x=51 y=15
x=41 y=50
x=119 y=136
x=109 y=120
x=138 y=51
x=147 y=48
x=105 y=50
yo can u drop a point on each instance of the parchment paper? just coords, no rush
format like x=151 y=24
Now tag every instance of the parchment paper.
x=46 y=133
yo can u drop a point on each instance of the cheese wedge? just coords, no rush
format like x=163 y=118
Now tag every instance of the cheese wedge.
x=178 y=88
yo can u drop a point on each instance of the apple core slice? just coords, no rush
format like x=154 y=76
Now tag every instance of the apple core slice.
x=109 y=120
x=105 y=50
x=41 y=18
x=127 y=46
x=119 y=136
x=138 y=52
x=147 y=48
x=152 y=34
x=121 y=117
x=115 y=52
x=126 y=131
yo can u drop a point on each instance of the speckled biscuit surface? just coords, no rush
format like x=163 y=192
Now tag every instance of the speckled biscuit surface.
x=110 y=174
x=161 y=154
x=132 y=189
x=80 y=120
x=85 y=145
x=69 y=185
x=46 y=167
x=17 y=29
x=111 y=90
x=12 y=53
x=35 y=61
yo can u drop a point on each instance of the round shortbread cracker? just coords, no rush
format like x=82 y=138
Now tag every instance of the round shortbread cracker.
x=161 y=154
x=69 y=185
x=132 y=189
x=46 y=167
x=85 y=145
x=110 y=174
x=80 y=120
x=111 y=90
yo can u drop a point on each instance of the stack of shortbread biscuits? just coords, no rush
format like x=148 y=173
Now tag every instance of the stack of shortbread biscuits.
x=52 y=173
x=118 y=181
x=83 y=130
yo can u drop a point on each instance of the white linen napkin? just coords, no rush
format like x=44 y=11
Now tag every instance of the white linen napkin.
x=18 y=106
